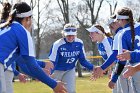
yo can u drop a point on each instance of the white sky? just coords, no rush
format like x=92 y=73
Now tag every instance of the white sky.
x=104 y=13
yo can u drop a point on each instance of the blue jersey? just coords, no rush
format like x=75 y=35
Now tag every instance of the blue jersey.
x=21 y=63
x=105 y=47
x=64 y=54
x=16 y=41
x=12 y=66
x=126 y=40
x=113 y=57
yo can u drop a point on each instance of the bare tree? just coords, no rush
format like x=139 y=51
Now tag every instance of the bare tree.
x=91 y=5
x=40 y=23
x=135 y=6
x=64 y=7
x=112 y=4
x=82 y=15
x=94 y=14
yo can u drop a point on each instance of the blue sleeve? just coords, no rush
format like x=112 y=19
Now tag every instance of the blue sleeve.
x=23 y=66
x=110 y=60
x=114 y=78
x=16 y=73
x=21 y=63
x=135 y=56
x=41 y=63
x=83 y=60
x=86 y=64
x=38 y=72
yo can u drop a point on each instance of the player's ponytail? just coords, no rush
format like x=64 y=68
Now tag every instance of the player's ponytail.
x=19 y=12
x=7 y=16
x=9 y=20
x=128 y=12
x=5 y=11
x=103 y=31
x=132 y=29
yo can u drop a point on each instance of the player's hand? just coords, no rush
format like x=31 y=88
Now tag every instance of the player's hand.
x=111 y=84
x=48 y=67
x=129 y=72
x=109 y=74
x=48 y=72
x=124 y=56
x=60 y=88
x=97 y=73
x=22 y=78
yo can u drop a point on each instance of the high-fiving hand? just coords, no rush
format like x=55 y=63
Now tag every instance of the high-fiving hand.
x=124 y=56
x=60 y=88
x=97 y=73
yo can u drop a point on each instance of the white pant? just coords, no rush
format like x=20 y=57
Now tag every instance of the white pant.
x=67 y=77
x=123 y=85
x=116 y=88
x=136 y=81
x=2 y=79
x=6 y=85
x=8 y=79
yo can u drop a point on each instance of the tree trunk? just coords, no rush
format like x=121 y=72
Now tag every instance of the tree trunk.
x=38 y=39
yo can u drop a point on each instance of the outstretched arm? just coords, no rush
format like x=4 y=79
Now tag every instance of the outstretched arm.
x=98 y=71
x=38 y=72
x=118 y=70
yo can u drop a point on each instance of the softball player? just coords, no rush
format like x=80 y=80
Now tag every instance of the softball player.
x=18 y=42
x=103 y=39
x=114 y=29
x=64 y=54
x=99 y=70
x=11 y=71
x=123 y=85
x=104 y=42
x=125 y=19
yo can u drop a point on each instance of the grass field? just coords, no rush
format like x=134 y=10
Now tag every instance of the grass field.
x=83 y=85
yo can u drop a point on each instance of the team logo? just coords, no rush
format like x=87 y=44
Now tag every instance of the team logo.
x=63 y=49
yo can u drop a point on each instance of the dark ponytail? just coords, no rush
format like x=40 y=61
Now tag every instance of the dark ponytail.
x=132 y=29
x=18 y=8
x=103 y=31
x=127 y=12
x=9 y=20
x=5 y=17
x=5 y=12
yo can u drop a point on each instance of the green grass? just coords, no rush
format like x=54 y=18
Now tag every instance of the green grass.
x=83 y=85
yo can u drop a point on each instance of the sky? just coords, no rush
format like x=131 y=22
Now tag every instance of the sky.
x=104 y=13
